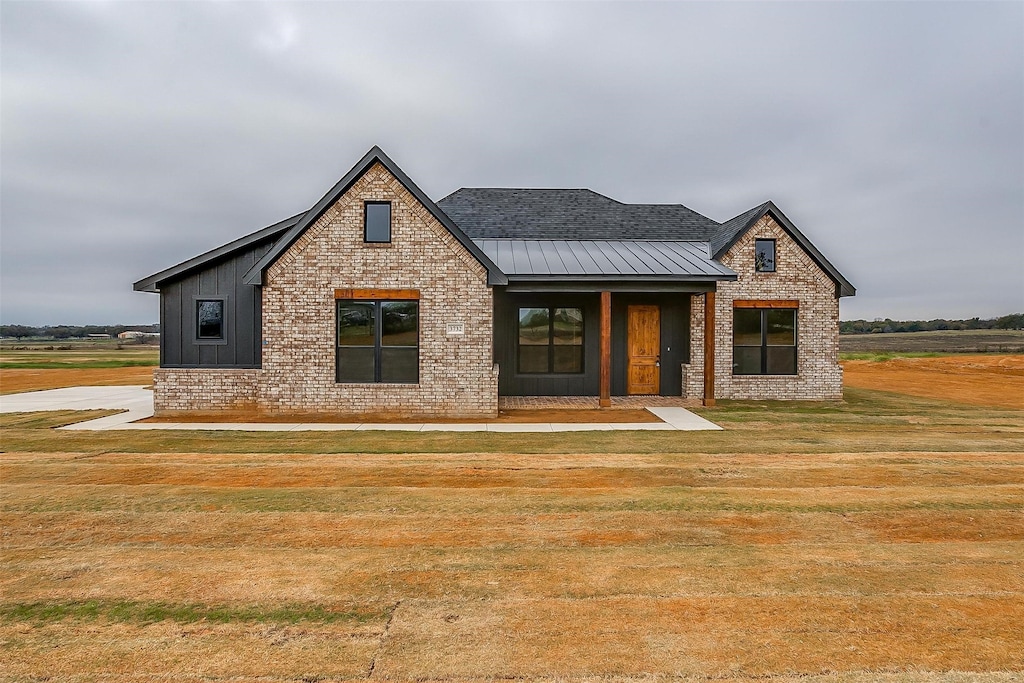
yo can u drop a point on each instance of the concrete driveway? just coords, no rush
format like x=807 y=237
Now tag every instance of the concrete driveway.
x=137 y=401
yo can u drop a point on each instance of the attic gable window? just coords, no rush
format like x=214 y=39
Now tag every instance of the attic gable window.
x=764 y=256
x=377 y=222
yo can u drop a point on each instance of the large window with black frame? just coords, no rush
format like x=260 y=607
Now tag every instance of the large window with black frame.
x=764 y=341
x=378 y=341
x=550 y=340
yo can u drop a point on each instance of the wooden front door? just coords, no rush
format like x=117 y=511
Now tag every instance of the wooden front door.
x=643 y=371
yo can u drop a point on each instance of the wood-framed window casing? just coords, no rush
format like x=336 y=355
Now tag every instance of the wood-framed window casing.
x=376 y=336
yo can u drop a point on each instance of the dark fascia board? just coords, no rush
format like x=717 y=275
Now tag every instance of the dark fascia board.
x=621 y=278
x=843 y=286
x=630 y=286
x=153 y=282
x=255 y=274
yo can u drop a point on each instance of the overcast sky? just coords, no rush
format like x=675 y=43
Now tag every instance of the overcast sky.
x=137 y=135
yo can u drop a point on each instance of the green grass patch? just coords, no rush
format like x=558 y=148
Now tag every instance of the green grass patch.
x=72 y=364
x=137 y=612
x=880 y=356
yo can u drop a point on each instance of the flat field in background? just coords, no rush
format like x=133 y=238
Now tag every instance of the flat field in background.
x=36 y=365
x=881 y=538
x=941 y=342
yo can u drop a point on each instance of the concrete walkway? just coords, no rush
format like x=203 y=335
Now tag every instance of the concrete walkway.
x=138 y=402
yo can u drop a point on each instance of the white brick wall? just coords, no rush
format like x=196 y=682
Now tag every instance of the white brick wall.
x=456 y=374
x=819 y=375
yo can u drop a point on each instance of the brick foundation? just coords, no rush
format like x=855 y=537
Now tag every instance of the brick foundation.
x=193 y=389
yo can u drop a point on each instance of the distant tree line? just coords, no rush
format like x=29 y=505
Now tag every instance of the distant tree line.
x=1014 y=321
x=70 y=331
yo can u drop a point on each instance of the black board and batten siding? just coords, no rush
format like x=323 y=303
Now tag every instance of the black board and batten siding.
x=675 y=338
x=506 y=336
x=241 y=347
x=675 y=342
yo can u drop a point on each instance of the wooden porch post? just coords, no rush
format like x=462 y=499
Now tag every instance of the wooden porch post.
x=709 y=348
x=606 y=350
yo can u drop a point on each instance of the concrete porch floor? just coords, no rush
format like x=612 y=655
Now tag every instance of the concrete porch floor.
x=592 y=402
x=137 y=401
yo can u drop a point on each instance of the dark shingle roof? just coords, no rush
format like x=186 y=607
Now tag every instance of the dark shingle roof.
x=728 y=231
x=500 y=213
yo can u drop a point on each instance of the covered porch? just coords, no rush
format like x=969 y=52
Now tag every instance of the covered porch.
x=602 y=344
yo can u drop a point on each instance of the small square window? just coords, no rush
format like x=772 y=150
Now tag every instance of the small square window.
x=377 y=222
x=210 y=318
x=764 y=256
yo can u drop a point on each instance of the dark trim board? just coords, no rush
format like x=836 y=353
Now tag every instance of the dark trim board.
x=621 y=287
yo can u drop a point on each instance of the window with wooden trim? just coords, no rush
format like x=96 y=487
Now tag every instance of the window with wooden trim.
x=764 y=341
x=764 y=256
x=377 y=341
x=377 y=222
x=550 y=340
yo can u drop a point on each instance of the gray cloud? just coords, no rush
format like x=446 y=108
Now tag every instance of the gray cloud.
x=136 y=135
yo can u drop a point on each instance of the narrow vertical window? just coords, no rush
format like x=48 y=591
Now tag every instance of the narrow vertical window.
x=357 y=334
x=210 y=319
x=377 y=222
x=764 y=256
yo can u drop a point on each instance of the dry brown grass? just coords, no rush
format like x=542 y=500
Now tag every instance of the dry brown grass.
x=973 y=379
x=16 y=380
x=881 y=539
x=844 y=567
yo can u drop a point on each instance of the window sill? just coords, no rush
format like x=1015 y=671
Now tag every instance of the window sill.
x=378 y=245
x=376 y=384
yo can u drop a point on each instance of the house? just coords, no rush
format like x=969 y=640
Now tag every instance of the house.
x=379 y=299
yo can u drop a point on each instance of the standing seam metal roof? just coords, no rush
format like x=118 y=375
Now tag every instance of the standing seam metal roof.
x=603 y=258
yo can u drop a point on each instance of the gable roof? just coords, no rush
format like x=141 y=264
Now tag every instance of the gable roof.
x=153 y=282
x=566 y=214
x=733 y=229
x=376 y=155
x=567 y=230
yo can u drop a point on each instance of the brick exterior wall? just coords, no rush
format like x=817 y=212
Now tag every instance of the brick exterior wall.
x=456 y=373
x=819 y=375
x=189 y=389
x=457 y=377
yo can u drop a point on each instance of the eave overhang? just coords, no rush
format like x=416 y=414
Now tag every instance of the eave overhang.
x=153 y=282
x=843 y=286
